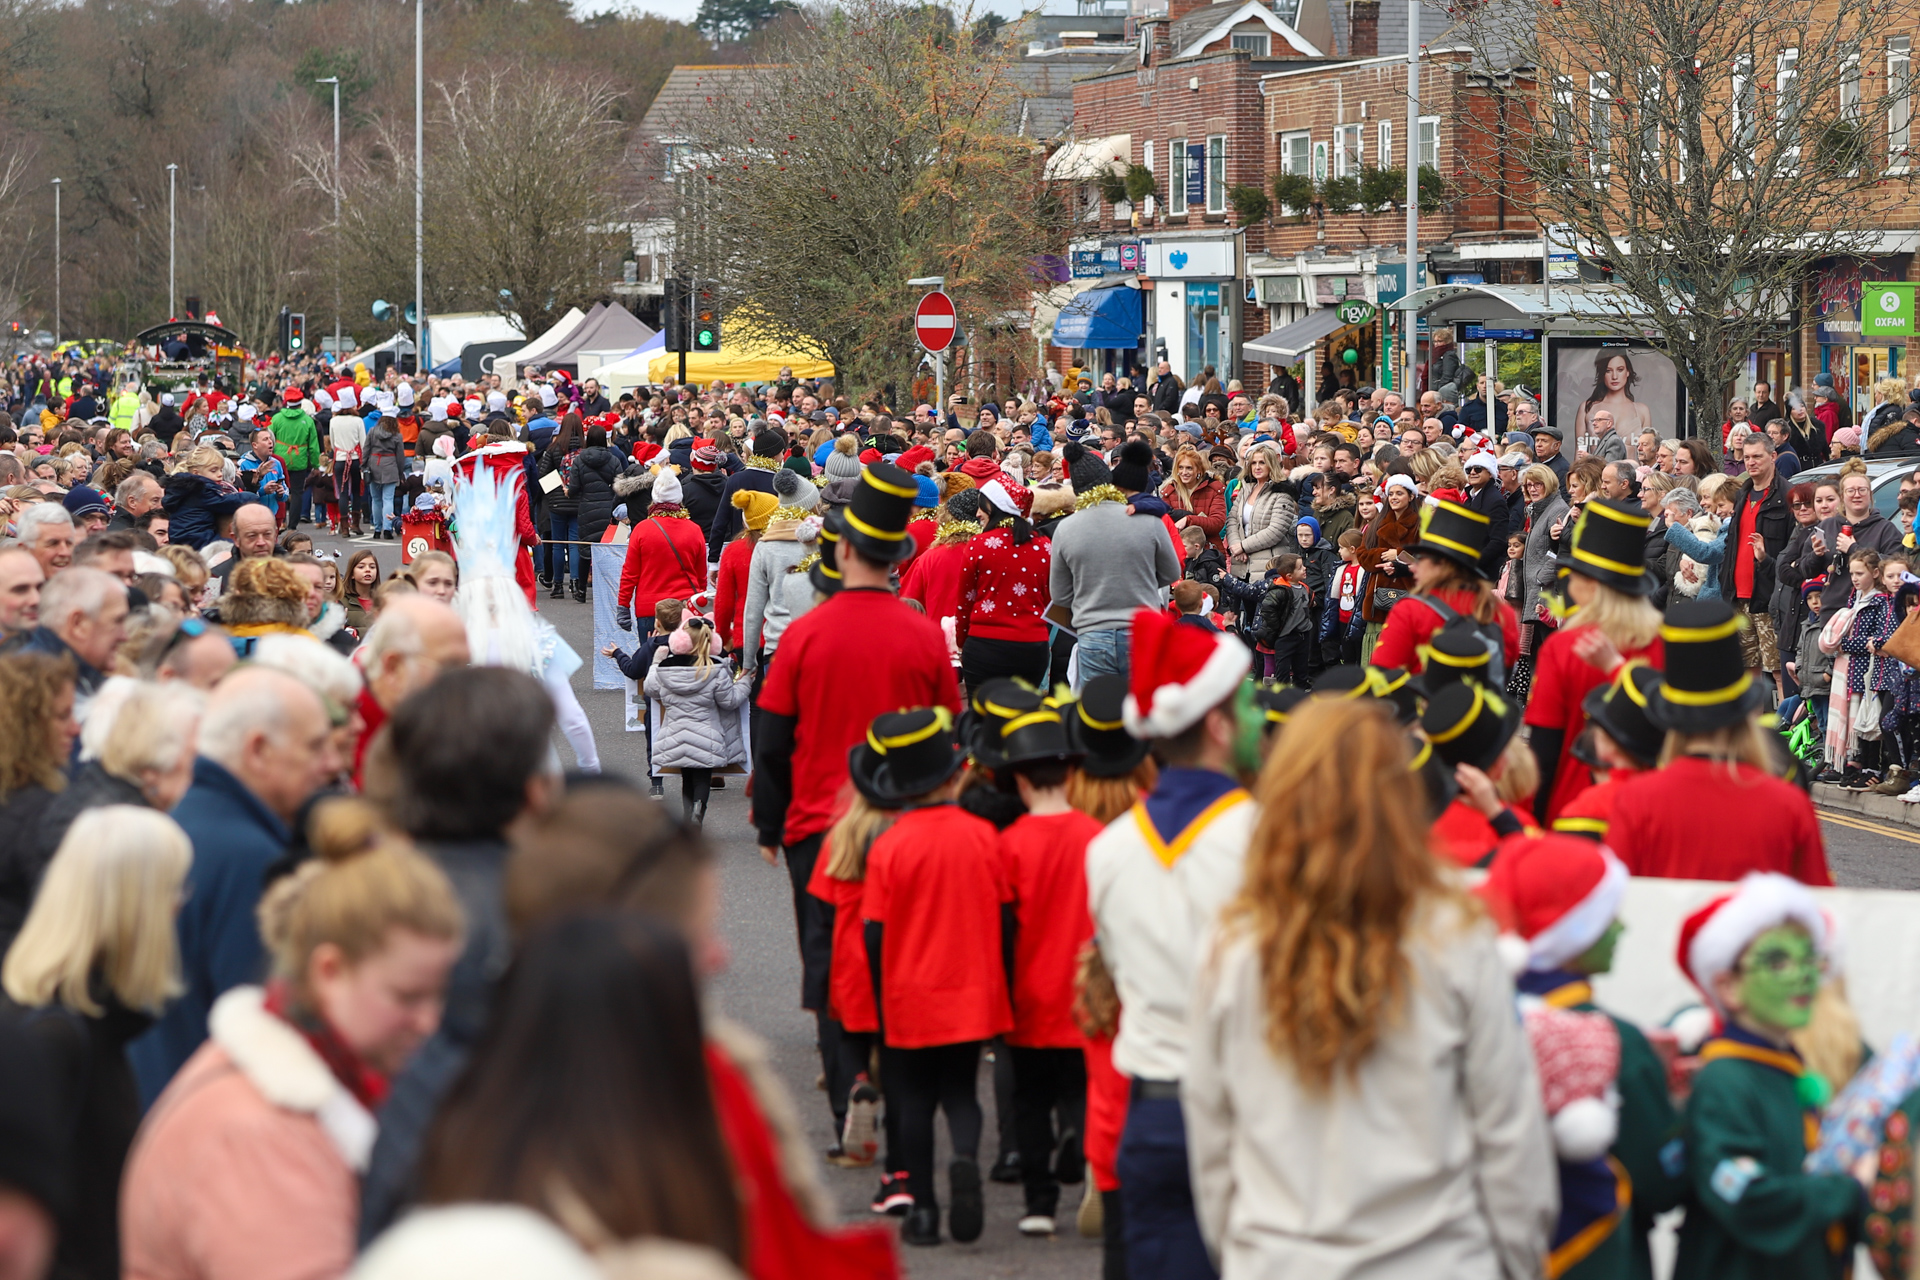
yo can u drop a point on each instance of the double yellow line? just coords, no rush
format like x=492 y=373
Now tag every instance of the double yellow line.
x=1909 y=835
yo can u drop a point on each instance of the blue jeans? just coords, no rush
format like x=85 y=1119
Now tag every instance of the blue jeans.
x=1102 y=653
x=1162 y=1233
x=382 y=505
x=566 y=559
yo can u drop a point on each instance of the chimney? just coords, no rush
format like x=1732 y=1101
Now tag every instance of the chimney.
x=1178 y=9
x=1364 y=36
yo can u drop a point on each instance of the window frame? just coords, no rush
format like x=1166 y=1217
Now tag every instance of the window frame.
x=1899 y=104
x=1176 y=177
x=1600 y=126
x=1743 y=109
x=1420 y=160
x=1213 y=183
x=1262 y=49
x=1786 y=106
x=1348 y=164
x=1383 y=144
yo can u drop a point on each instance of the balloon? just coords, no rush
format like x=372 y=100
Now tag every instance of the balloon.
x=1350 y=356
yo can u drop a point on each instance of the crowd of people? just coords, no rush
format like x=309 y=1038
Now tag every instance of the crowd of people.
x=1150 y=749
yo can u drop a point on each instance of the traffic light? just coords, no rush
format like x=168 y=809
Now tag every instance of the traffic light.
x=296 y=332
x=286 y=320
x=706 y=319
x=673 y=312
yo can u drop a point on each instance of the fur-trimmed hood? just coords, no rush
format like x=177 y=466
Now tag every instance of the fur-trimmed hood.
x=278 y=1061
x=1052 y=500
x=634 y=481
x=1328 y=498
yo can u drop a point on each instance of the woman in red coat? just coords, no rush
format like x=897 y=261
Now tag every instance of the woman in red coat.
x=1194 y=490
x=666 y=555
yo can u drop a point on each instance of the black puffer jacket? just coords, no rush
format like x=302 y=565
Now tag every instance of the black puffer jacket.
x=594 y=472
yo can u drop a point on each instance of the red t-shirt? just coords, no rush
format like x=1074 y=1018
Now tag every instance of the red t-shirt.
x=1464 y=835
x=1412 y=623
x=1045 y=861
x=1694 y=820
x=1591 y=811
x=850 y=658
x=1004 y=588
x=1743 y=554
x=1561 y=681
x=850 y=981
x=934 y=880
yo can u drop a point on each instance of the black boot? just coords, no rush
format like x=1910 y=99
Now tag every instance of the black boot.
x=546 y=579
x=922 y=1226
x=579 y=591
x=559 y=589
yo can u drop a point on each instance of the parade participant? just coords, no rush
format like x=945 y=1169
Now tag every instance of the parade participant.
x=92 y=967
x=1448 y=583
x=666 y=557
x=838 y=881
x=811 y=713
x=1044 y=857
x=1472 y=730
x=1619 y=744
x=940 y=937
x=765 y=614
x=1715 y=761
x=933 y=577
x=1106 y=565
x=296 y=443
x=1000 y=628
x=1611 y=622
x=1757 y=955
x=769 y=448
x=1352 y=1004
x=502 y=628
x=246 y=1165
x=506 y=461
x=1458 y=651
x=1561 y=896
x=1154 y=878
x=731 y=581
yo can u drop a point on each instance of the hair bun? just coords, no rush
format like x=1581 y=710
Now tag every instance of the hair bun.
x=341 y=829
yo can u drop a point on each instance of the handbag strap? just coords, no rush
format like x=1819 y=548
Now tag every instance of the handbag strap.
x=666 y=538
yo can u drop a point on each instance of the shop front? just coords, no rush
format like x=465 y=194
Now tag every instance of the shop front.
x=1856 y=363
x=1195 y=320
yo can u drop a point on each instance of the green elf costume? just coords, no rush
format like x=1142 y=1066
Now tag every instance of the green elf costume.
x=1757 y=954
x=1557 y=899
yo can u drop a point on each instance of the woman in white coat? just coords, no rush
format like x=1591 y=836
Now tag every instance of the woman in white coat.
x=1360 y=1098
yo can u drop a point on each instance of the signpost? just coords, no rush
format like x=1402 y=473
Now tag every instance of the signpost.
x=1886 y=310
x=935 y=323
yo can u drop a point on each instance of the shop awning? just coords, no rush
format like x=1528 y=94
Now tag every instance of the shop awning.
x=1296 y=339
x=1107 y=318
x=1081 y=161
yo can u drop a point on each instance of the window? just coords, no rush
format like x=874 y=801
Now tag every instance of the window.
x=1850 y=89
x=1288 y=11
x=1177 y=176
x=1650 y=108
x=1319 y=163
x=1746 y=109
x=1429 y=157
x=1217 y=173
x=1296 y=156
x=1899 y=102
x=1346 y=151
x=1146 y=160
x=1090 y=203
x=1786 y=108
x=1600 y=124
x=1383 y=145
x=1253 y=42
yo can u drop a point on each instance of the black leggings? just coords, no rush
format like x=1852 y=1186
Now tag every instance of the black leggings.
x=982 y=660
x=695 y=786
x=853 y=1056
x=1043 y=1080
x=919 y=1081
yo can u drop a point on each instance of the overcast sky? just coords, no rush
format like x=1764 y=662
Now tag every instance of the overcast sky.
x=684 y=10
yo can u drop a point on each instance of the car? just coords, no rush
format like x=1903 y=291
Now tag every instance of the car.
x=1884 y=474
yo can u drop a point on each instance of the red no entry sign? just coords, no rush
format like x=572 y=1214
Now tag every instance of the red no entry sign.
x=933 y=321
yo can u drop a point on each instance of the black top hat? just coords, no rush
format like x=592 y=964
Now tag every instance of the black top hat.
x=920 y=753
x=1455 y=652
x=1036 y=736
x=1435 y=775
x=1468 y=723
x=863 y=766
x=1345 y=681
x=1610 y=546
x=1453 y=532
x=825 y=573
x=877 y=515
x=1278 y=701
x=1620 y=710
x=1393 y=686
x=1100 y=731
x=995 y=704
x=1708 y=685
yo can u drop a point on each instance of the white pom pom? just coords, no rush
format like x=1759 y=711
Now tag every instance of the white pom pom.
x=1514 y=952
x=1691 y=1027
x=1584 y=1129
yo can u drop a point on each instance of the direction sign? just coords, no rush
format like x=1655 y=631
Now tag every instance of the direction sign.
x=933 y=321
x=1886 y=310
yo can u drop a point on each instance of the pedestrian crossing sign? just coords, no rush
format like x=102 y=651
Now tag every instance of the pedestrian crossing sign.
x=1886 y=310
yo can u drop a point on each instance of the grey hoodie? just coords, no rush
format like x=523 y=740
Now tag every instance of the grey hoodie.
x=1107 y=564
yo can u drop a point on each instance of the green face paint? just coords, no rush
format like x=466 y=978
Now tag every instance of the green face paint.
x=1779 y=977
x=1250 y=721
x=1598 y=958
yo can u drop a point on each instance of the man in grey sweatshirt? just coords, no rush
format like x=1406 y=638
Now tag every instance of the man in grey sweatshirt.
x=1106 y=562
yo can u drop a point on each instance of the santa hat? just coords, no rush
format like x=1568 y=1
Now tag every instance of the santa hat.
x=869 y=457
x=291 y=395
x=666 y=486
x=1713 y=938
x=496 y=402
x=1014 y=499
x=704 y=455
x=1179 y=674
x=1578 y=1056
x=547 y=397
x=913 y=457
x=1558 y=893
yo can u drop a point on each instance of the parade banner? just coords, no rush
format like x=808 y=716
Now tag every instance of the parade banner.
x=609 y=558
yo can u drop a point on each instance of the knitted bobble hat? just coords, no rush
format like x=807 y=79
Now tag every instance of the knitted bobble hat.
x=841 y=463
x=1084 y=468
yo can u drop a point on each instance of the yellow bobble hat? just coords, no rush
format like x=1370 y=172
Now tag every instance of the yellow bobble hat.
x=759 y=507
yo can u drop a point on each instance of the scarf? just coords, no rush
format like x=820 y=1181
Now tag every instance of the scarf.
x=667 y=509
x=952 y=532
x=361 y=1080
x=760 y=462
x=1098 y=494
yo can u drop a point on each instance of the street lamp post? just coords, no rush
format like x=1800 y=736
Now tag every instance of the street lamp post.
x=172 y=174
x=335 y=82
x=56 y=262
x=420 y=355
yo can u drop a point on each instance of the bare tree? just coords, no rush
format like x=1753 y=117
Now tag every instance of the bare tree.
x=878 y=146
x=1705 y=154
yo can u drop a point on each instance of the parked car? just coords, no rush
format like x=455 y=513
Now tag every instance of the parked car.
x=1883 y=475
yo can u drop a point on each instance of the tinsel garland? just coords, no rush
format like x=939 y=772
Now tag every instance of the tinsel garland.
x=956 y=530
x=760 y=462
x=662 y=509
x=1098 y=494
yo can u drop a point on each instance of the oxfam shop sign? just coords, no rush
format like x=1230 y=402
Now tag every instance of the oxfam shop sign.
x=1886 y=311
